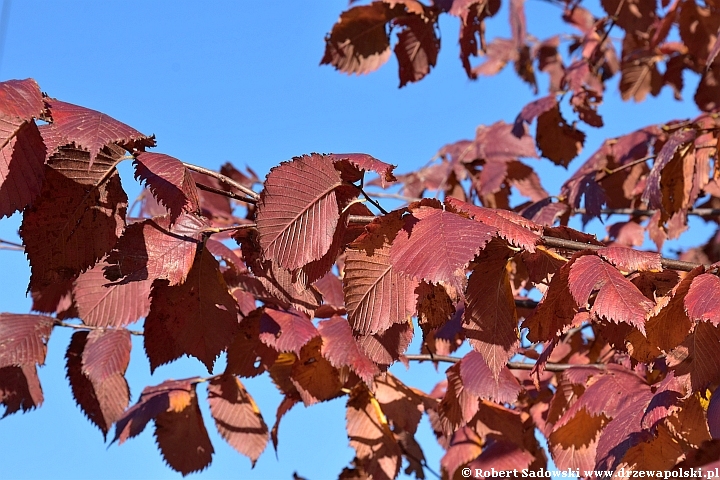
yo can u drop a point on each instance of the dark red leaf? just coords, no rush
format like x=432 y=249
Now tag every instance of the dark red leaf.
x=361 y=162
x=631 y=260
x=23 y=339
x=110 y=305
x=556 y=139
x=417 y=48
x=713 y=414
x=104 y=395
x=386 y=347
x=472 y=30
x=375 y=447
x=70 y=226
x=653 y=194
x=617 y=299
x=247 y=355
x=481 y=382
x=331 y=288
x=436 y=245
x=20 y=389
x=340 y=349
x=314 y=377
x=179 y=428
x=287 y=403
x=517 y=230
x=90 y=129
x=21 y=164
x=197 y=318
x=359 y=42
x=697 y=356
x=702 y=301
x=531 y=111
x=465 y=446
x=169 y=181
x=498 y=143
x=286 y=331
x=152 y=249
x=490 y=320
x=308 y=212
x=21 y=98
x=376 y=295
x=237 y=417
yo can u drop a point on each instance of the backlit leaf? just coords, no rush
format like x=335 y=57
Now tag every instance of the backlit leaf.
x=417 y=48
x=617 y=299
x=696 y=356
x=436 y=245
x=197 y=318
x=702 y=301
x=90 y=129
x=630 y=260
x=20 y=389
x=652 y=193
x=307 y=213
x=481 y=382
x=110 y=305
x=23 y=339
x=169 y=181
x=376 y=295
x=237 y=417
x=21 y=164
x=152 y=249
x=339 y=347
x=286 y=331
x=361 y=162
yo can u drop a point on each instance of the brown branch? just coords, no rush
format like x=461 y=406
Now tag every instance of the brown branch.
x=549 y=367
x=225 y=193
x=8 y=245
x=82 y=326
x=228 y=229
x=223 y=179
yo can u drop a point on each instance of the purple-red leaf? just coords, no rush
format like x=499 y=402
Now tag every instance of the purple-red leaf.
x=110 y=305
x=286 y=331
x=152 y=249
x=169 y=181
x=106 y=353
x=653 y=191
x=702 y=301
x=21 y=164
x=340 y=348
x=237 y=417
x=618 y=299
x=299 y=210
x=481 y=382
x=20 y=389
x=436 y=245
x=90 y=129
x=21 y=98
x=362 y=162
x=23 y=339
x=630 y=260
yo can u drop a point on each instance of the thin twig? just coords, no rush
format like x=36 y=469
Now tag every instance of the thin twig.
x=81 y=326
x=627 y=165
x=550 y=367
x=396 y=196
x=597 y=48
x=701 y=212
x=373 y=201
x=225 y=193
x=11 y=245
x=227 y=229
x=222 y=178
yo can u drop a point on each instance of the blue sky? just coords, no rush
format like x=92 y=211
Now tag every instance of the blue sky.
x=239 y=81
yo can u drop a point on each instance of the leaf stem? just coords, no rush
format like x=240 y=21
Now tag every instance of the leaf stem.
x=224 y=179
x=82 y=326
x=225 y=193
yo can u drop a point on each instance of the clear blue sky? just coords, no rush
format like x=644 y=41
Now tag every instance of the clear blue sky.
x=239 y=81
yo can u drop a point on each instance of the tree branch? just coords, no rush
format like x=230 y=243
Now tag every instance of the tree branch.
x=223 y=179
x=549 y=367
x=82 y=326
x=225 y=193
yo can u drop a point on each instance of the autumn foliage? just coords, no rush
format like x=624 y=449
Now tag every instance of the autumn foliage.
x=313 y=283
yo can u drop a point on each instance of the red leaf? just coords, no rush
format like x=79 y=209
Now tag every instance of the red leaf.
x=23 y=339
x=247 y=356
x=490 y=320
x=331 y=288
x=417 y=48
x=103 y=395
x=197 y=318
x=697 y=356
x=653 y=192
x=287 y=403
x=110 y=305
x=517 y=230
x=375 y=447
x=315 y=379
x=179 y=428
x=480 y=382
x=531 y=111
x=556 y=139
x=436 y=245
x=359 y=42
x=340 y=349
x=472 y=30
x=90 y=129
x=497 y=143
x=306 y=214
x=20 y=389
x=286 y=331
x=237 y=417
x=702 y=301
x=169 y=181
x=386 y=347
x=618 y=299
x=71 y=226
x=465 y=446
x=630 y=260
x=376 y=295
x=106 y=353
x=362 y=162
x=21 y=164
x=152 y=249
x=21 y=98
